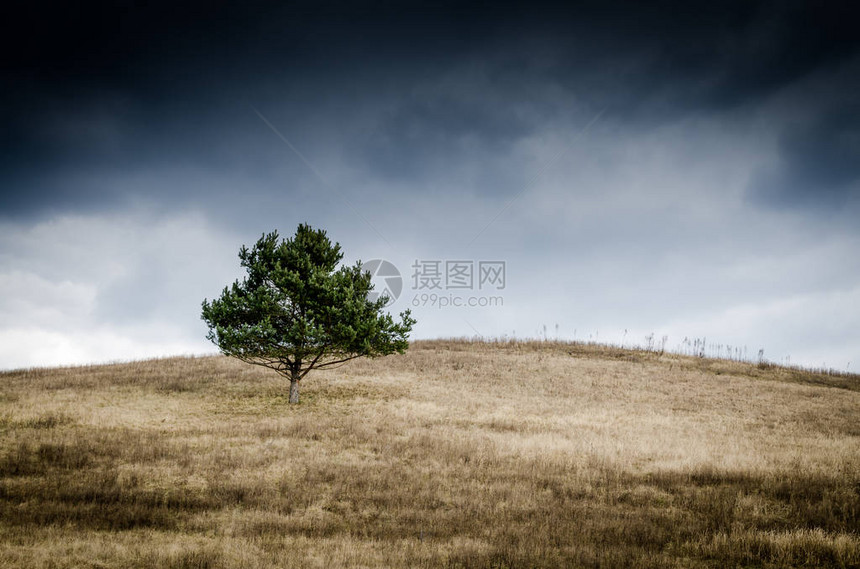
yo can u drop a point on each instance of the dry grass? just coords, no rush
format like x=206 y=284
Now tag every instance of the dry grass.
x=455 y=455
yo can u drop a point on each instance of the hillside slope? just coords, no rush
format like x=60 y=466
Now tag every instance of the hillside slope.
x=456 y=454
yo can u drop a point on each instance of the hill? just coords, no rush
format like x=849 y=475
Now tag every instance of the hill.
x=456 y=454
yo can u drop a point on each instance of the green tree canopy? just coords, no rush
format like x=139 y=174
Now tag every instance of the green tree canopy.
x=295 y=310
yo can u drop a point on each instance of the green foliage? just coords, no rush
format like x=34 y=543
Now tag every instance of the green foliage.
x=295 y=310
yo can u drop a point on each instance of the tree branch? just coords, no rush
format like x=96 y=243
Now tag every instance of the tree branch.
x=326 y=364
x=313 y=363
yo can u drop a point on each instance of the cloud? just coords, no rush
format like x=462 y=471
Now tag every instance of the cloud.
x=42 y=302
x=430 y=94
x=94 y=288
x=818 y=163
x=721 y=175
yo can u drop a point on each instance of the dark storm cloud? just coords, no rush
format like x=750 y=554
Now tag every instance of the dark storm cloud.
x=133 y=162
x=818 y=162
x=430 y=138
x=94 y=93
x=732 y=55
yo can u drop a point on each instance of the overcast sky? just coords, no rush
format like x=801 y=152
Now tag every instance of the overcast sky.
x=671 y=168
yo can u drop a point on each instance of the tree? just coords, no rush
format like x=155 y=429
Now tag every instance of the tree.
x=295 y=310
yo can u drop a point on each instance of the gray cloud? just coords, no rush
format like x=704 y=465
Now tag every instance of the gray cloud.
x=439 y=87
x=721 y=177
x=818 y=163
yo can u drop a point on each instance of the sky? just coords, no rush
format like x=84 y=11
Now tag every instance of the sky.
x=594 y=171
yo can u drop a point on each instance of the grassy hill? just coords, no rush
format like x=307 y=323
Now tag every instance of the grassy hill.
x=457 y=454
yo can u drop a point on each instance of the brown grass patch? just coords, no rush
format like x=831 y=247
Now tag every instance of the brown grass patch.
x=458 y=454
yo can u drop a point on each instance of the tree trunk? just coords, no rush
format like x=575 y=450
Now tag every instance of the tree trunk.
x=294 y=388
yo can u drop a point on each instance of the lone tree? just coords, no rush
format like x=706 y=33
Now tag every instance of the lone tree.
x=296 y=311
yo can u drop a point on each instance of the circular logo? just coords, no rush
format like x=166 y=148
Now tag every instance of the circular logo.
x=385 y=278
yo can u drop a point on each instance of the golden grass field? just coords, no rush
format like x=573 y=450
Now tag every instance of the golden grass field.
x=456 y=454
